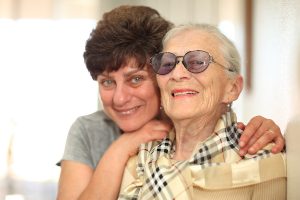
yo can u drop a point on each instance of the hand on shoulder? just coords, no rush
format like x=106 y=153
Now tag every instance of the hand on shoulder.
x=153 y=130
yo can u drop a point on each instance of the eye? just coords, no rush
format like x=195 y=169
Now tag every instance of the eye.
x=196 y=62
x=136 y=79
x=107 y=83
x=200 y=62
x=168 y=64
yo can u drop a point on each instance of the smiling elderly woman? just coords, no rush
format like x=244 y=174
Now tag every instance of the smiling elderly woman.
x=198 y=74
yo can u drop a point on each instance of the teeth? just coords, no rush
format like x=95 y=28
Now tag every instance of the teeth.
x=183 y=93
x=128 y=112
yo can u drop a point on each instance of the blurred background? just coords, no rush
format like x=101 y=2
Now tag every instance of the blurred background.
x=44 y=85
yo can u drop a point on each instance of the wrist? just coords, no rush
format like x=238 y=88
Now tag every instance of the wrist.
x=122 y=148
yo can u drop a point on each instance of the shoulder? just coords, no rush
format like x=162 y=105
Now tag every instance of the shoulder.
x=89 y=137
x=97 y=121
x=96 y=117
x=265 y=165
x=96 y=126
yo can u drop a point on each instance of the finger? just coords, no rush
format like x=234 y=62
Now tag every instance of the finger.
x=241 y=125
x=159 y=125
x=253 y=145
x=244 y=150
x=267 y=137
x=155 y=135
x=279 y=144
x=268 y=132
x=247 y=134
x=267 y=125
x=261 y=142
x=259 y=126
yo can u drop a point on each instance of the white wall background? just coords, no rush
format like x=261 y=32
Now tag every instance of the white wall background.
x=276 y=65
x=44 y=87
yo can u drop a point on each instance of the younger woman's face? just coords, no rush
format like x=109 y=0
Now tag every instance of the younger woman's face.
x=129 y=96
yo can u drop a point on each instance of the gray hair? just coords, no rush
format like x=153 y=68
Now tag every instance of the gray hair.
x=227 y=47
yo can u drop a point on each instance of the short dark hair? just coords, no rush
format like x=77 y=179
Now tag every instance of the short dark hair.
x=123 y=33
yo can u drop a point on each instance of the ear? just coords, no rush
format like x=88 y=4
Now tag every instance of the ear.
x=233 y=89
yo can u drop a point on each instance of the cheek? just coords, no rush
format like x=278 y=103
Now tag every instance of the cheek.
x=160 y=81
x=165 y=99
x=151 y=94
x=106 y=97
x=213 y=93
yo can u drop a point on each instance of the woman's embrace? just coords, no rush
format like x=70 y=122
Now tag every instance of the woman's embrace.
x=198 y=74
x=99 y=144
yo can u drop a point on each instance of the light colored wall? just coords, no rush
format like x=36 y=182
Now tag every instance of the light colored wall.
x=276 y=62
x=176 y=11
x=49 y=9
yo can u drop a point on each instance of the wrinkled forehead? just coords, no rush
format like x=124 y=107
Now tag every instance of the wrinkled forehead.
x=189 y=40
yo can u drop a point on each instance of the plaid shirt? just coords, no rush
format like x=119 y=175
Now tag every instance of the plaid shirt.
x=215 y=164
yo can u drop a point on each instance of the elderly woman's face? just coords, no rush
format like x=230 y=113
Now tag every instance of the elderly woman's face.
x=189 y=95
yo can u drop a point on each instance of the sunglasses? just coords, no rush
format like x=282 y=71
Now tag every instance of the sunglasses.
x=194 y=61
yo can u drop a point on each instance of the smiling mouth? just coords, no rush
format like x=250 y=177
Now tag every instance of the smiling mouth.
x=184 y=93
x=127 y=111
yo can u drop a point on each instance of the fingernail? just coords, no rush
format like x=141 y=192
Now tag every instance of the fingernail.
x=242 y=152
x=274 y=150
x=251 y=150
x=242 y=143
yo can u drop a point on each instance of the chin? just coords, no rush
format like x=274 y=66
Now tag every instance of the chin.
x=128 y=127
x=181 y=116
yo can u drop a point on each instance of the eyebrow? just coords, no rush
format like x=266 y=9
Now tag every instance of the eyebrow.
x=129 y=73
x=126 y=74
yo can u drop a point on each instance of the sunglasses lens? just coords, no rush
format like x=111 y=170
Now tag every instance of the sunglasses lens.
x=163 y=63
x=196 y=61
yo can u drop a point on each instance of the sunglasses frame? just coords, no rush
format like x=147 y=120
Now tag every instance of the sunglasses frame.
x=211 y=60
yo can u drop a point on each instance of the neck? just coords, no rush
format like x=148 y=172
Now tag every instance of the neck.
x=190 y=132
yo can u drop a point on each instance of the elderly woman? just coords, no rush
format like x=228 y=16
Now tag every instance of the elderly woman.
x=198 y=74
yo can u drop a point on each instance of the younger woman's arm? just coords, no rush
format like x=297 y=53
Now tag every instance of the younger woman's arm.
x=107 y=178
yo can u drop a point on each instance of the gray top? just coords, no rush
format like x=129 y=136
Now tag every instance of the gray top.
x=89 y=137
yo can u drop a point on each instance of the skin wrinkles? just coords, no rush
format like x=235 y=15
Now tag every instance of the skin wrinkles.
x=191 y=112
x=205 y=89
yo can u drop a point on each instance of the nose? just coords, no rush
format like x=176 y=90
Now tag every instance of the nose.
x=180 y=72
x=122 y=95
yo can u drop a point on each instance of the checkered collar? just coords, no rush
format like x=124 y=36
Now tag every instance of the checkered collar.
x=161 y=178
x=225 y=136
